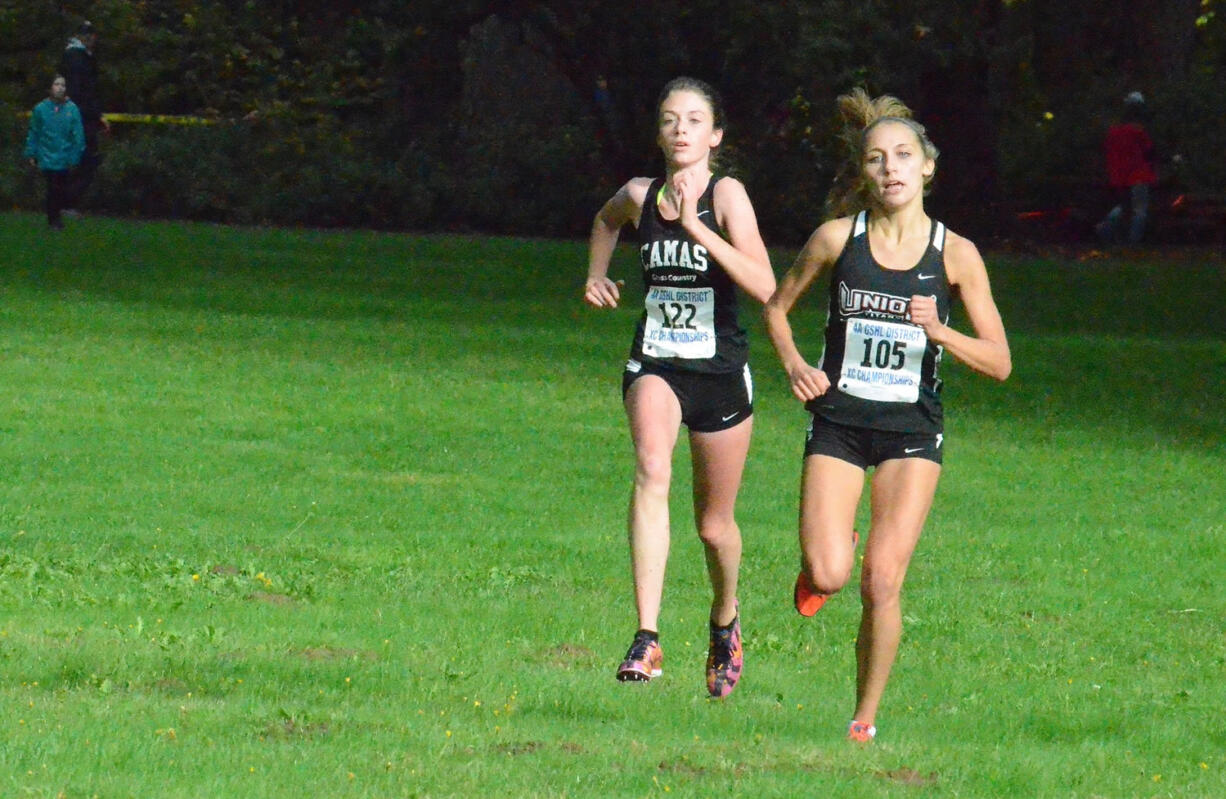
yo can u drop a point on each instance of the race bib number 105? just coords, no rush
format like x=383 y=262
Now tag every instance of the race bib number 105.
x=680 y=323
x=882 y=360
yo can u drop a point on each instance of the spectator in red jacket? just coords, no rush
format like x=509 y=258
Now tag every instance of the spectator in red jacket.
x=1129 y=154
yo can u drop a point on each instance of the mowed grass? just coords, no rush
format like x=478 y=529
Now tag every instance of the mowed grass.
x=342 y=514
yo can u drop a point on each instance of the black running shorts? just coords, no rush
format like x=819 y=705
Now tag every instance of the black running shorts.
x=865 y=447
x=710 y=402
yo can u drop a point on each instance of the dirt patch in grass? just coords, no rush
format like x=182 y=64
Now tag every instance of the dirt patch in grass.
x=171 y=685
x=518 y=748
x=682 y=766
x=336 y=653
x=280 y=600
x=568 y=655
x=294 y=728
x=908 y=776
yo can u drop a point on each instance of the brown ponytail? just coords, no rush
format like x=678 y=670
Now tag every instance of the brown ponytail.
x=860 y=114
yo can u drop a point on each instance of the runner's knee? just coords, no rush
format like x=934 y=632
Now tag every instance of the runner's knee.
x=718 y=531
x=881 y=584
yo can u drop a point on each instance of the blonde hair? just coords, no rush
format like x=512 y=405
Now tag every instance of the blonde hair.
x=860 y=114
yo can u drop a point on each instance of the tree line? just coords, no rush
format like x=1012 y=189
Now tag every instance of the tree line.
x=520 y=117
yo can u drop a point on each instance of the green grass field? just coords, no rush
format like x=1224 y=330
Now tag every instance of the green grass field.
x=305 y=514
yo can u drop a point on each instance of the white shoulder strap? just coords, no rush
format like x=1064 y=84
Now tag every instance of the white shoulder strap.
x=938 y=237
x=861 y=224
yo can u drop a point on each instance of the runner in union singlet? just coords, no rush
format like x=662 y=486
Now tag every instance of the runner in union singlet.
x=874 y=399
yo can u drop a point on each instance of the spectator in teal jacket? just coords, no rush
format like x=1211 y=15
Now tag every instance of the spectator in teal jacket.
x=54 y=145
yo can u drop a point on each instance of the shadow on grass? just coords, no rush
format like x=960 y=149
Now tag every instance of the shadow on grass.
x=1114 y=346
x=300 y=274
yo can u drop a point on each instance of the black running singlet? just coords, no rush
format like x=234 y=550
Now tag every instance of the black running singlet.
x=690 y=310
x=882 y=368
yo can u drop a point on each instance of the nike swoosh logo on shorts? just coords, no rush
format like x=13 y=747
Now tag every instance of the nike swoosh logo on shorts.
x=910 y=450
x=925 y=277
x=730 y=416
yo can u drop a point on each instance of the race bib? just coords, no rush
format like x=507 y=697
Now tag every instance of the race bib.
x=882 y=360
x=680 y=323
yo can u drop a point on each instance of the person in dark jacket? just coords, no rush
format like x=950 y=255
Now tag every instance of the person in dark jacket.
x=54 y=144
x=79 y=67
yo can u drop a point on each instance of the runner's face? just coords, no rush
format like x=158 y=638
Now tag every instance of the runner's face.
x=687 y=131
x=895 y=165
x=59 y=89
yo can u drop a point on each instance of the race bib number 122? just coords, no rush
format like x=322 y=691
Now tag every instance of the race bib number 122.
x=680 y=323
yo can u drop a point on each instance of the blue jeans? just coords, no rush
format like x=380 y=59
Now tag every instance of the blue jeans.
x=1138 y=199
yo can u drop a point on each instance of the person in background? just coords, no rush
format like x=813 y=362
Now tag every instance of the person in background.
x=1129 y=153
x=54 y=144
x=874 y=398
x=699 y=246
x=79 y=66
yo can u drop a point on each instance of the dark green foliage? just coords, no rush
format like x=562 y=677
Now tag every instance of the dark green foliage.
x=523 y=116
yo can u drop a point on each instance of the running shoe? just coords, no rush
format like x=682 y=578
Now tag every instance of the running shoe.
x=805 y=597
x=644 y=660
x=807 y=600
x=861 y=732
x=725 y=657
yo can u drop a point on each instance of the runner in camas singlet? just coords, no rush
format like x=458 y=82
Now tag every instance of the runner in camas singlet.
x=699 y=245
x=690 y=320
